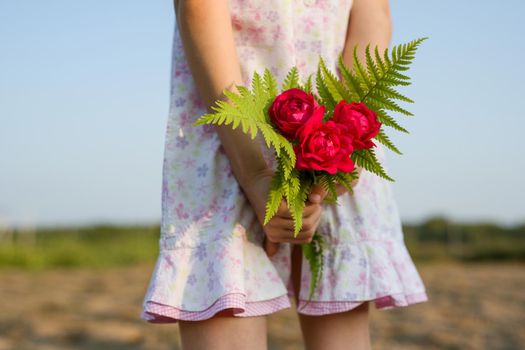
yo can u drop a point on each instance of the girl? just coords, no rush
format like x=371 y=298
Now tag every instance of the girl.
x=219 y=272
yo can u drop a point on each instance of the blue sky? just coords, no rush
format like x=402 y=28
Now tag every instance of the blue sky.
x=84 y=100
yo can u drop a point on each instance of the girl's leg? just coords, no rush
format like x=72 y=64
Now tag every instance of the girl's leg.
x=224 y=333
x=345 y=330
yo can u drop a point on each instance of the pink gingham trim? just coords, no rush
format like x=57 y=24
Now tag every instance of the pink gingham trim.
x=317 y=308
x=159 y=313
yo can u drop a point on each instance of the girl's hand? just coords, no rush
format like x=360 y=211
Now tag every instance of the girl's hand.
x=341 y=189
x=280 y=228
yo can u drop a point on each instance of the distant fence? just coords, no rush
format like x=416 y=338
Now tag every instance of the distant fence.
x=10 y=235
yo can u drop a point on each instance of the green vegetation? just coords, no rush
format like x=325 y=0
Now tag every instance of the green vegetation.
x=439 y=238
x=96 y=246
x=103 y=246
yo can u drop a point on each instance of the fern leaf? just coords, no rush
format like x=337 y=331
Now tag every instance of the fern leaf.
x=368 y=161
x=387 y=91
x=383 y=73
x=351 y=80
x=372 y=67
x=361 y=73
x=287 y=147
x=313 y=253
x=274 y=196
x=393 y=81
x=324 y=93
x=379 y=61
x=292 y=79
x=402 y=56
x=308 y=84
x=260 y=94
x=387 y=60
x=292 y=188
x=346 y=179
x=328 y=182
x=270 y=84
x=248 y=109
x=335 y=87
x=285 y=164
x=385 y=119
x=385 y=140
x=399 y=76
x=386 y=103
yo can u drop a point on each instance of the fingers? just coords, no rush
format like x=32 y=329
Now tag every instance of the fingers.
x=282 y=230
x=317 y=194
x=284 y=212
x=310 y=215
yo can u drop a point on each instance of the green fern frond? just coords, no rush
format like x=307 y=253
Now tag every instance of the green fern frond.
x=385 y=118
x=383 y=66
x=388 y=92
x=328 y=182
x=364 y=79
x=287 y=147
x=270 y=84
x=313 y=253
x=351 y=80
x=387 y=103
x=325 y=95
x=400 y=59
x=346 y=179
x=227 y=114
x=285 y=165
x=335 y=87
x=367 y=160
x=270 y=137
x=260 y=94
x=300 y=200
x=307 y=86
x=275 y=196
x=291 y=80
x=385 y=140
x=243 y=90
x=293 y=188
x=393 y=81
x=373 y=68
x=248 y=109
x=374 y=81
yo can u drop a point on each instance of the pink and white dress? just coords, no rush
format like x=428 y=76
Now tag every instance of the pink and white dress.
x=210 y=248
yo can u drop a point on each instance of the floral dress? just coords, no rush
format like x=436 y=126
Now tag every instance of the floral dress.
x=210 y=247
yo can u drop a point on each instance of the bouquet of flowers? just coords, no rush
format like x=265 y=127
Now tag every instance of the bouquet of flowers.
x=319 y=137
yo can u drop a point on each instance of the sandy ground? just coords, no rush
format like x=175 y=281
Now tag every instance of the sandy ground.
x=479 y=306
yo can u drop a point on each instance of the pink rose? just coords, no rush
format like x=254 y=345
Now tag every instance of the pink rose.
x=361 y=122
x=323 y=146
x=290 y=110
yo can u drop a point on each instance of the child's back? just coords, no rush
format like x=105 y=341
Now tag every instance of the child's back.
x=211 y=256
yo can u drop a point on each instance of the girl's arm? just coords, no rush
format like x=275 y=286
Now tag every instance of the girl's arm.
x=207 y=37
x=369 y=23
